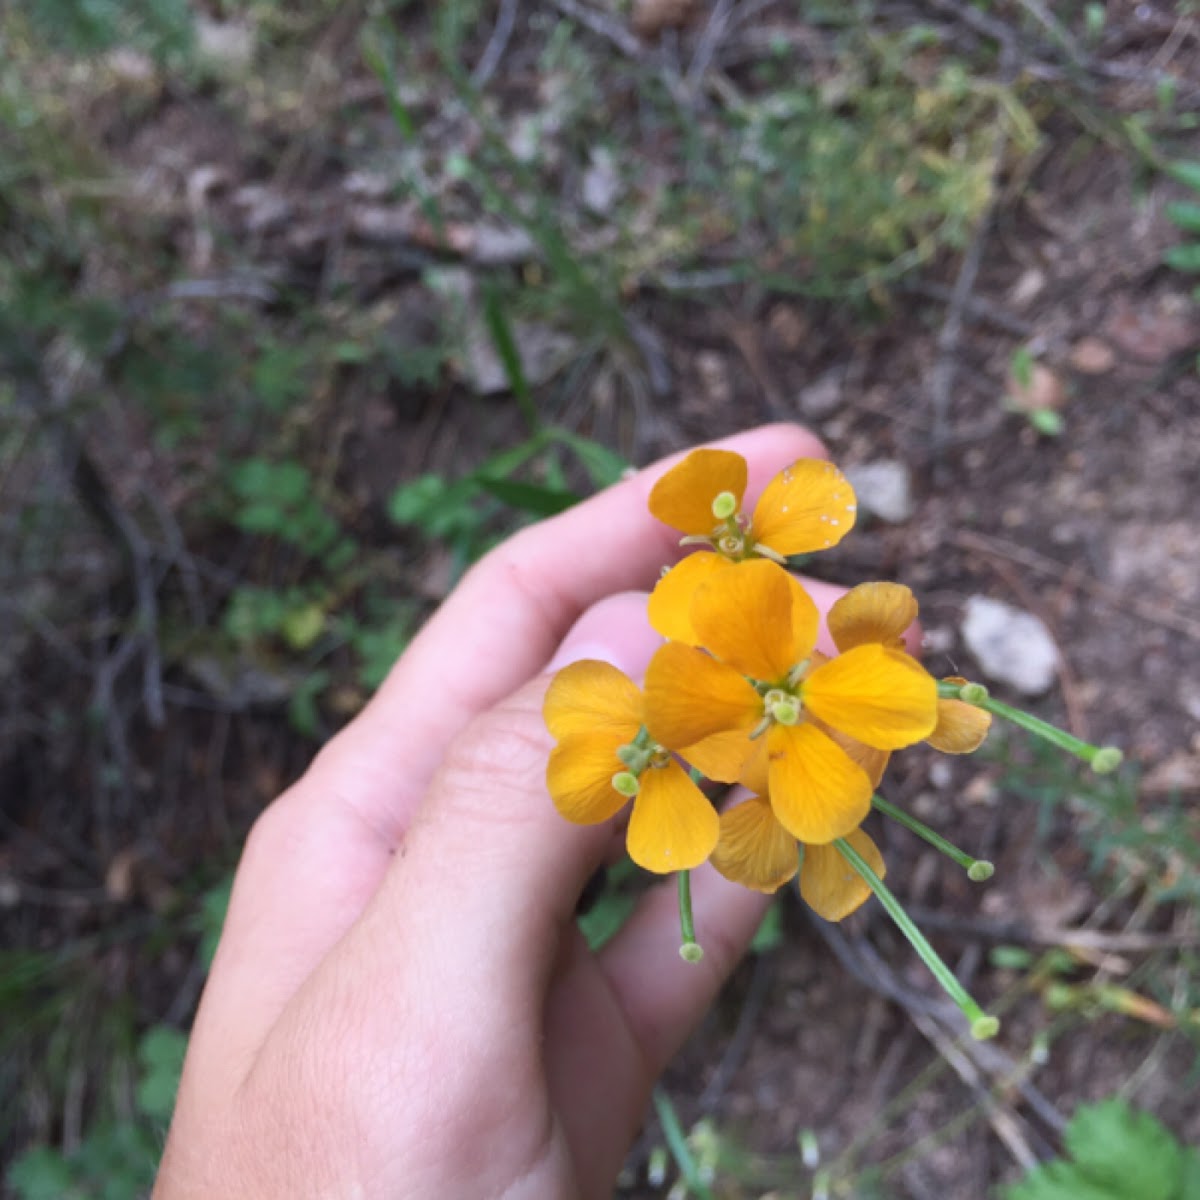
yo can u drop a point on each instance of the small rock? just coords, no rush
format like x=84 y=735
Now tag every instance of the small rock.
x=601 y=183
x=884 y=488
x=1027 y=288
x=715 y=378
x=788 y=325
x=824 y=397
x=1011 y=646
x=651 y=17
x=225 y=45
x=1036 y=390
x=1091 y=356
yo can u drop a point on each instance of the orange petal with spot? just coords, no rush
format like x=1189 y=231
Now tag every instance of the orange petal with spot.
x=579 y=777
x=757 y=618
x=831 y=887
x=961 y=727
x=754 y=849
x=683 y=497
x=816 y=791
x=591 y=696
x=674 y=826
x=670 y=603
x=880 y=697
x=872 y=612
x=807 y=506
x=690 y=696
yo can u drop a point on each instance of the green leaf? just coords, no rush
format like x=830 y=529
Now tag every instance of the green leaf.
x=1187 y=173
x=604 y=466
x=1114 y=1153
x=1129 y=1151
x=160 y=1053
x=1185 y=214
x=214 y=904
x=530 y=497
x=1184 y=258
x=510 y=355
x=41 y=1174
x=769 y=935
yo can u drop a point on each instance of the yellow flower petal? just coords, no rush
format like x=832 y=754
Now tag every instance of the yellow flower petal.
x=757 y=618
x=873 y=761
x=683 y=497
x=591 y=696
x=831 y=887
x=754 y=849
x=807 y=506
x=671 y=601
x=690 y=696
x=878 y=696
x=579 y=777
x=674 y=827
x=961 y=727
x=722 y=756
x=816 y=791
x=872 y=612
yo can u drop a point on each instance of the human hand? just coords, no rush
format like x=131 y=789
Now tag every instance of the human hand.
x=401 y=1005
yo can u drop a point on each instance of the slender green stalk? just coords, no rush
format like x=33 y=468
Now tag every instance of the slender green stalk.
x=690 y=950
x=977 y=869
x=982 y=1026
x=677 y=1143
x=1102 y=759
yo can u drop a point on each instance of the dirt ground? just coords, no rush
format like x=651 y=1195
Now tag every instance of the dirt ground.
x=1094 y=531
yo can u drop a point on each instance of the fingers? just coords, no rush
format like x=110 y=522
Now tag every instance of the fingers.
x=316 y=857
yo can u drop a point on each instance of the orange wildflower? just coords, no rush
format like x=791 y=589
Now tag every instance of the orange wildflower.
x=604 y=758
x=762 y=678
x=881 y=612
x=807 y=506
x=756 y=851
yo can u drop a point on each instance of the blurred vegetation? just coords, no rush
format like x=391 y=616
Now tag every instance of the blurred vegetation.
x=192 y=568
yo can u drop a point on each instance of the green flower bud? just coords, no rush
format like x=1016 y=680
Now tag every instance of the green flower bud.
x=985 y=1027
x=691 y=952
x=1106 y=760
x=973 y=693
x=724 y=506
x=626 y=783
x=980 y=870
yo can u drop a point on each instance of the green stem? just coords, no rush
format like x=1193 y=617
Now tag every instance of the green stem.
x=1102 y=758
x=690 y=950
x=977 y=869
x=677 y=1143
x=982 y=1026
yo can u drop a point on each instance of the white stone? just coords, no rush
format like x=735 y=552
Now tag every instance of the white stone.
x=1011 y=646
x=884 y=488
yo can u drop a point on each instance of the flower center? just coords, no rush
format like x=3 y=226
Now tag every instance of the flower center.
x=642 y=753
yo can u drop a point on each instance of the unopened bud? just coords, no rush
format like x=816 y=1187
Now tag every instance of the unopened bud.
x=626 y=783
x=691 y=952
x=1106 y=760
x=724 y=506
x=973 y=693
x=985 y=1027
x=980 y=870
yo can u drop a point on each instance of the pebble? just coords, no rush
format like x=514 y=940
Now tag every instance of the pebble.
x=1010 y=645
x=884 y=489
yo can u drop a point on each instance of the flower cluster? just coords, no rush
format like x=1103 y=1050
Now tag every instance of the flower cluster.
x=740 y=693
x=744 y=691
